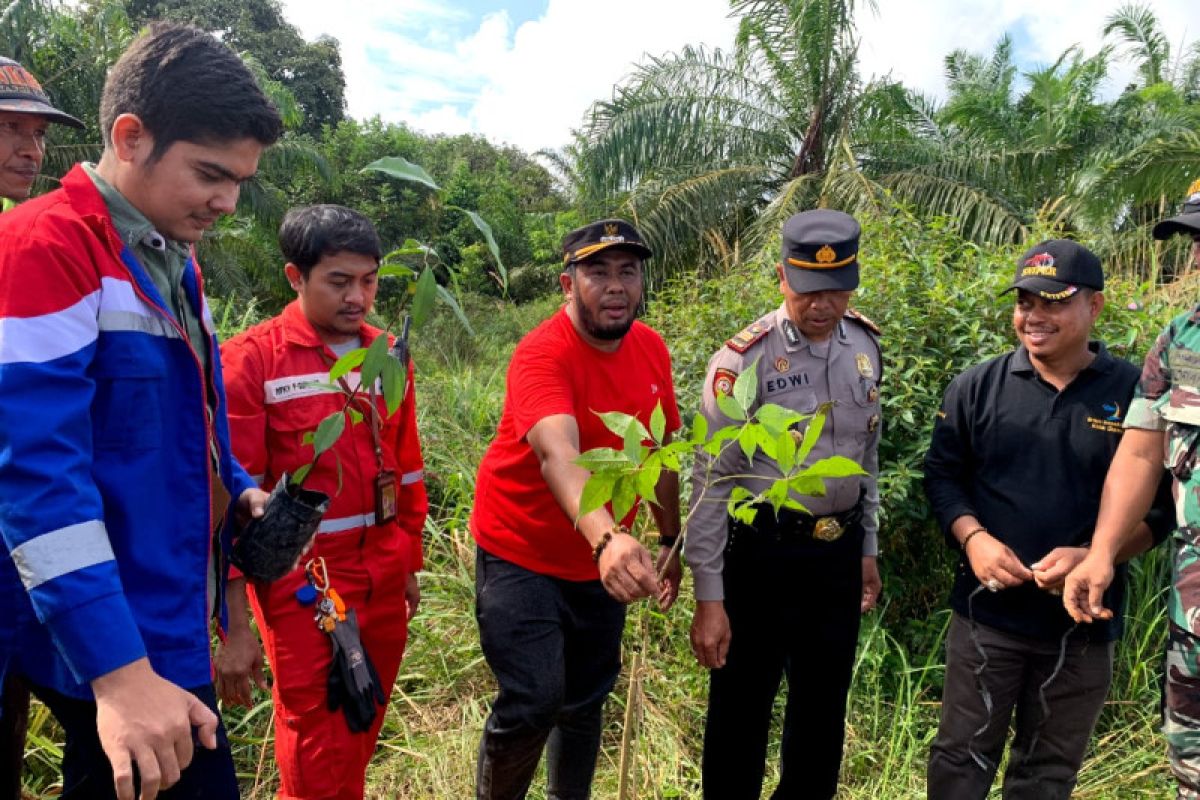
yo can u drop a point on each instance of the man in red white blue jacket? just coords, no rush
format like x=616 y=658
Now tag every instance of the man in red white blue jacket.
x=115 y=465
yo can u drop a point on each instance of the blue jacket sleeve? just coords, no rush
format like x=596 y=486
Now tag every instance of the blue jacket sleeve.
x=51 y=512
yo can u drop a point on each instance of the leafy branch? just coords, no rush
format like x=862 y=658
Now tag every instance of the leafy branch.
x=620 y=476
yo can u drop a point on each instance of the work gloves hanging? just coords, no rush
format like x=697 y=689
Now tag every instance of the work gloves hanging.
x=354 y=684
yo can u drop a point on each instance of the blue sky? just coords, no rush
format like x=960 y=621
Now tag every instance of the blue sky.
x=526 y=71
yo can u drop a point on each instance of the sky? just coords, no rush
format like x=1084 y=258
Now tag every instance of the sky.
x=525 y=72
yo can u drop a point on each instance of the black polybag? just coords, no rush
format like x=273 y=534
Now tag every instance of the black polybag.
x=268 y=548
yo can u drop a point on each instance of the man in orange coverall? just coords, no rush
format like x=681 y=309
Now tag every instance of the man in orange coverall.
x=333 y=258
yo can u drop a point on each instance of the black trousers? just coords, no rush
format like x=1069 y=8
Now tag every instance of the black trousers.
x=1047 y=749
x=793 y=605
x=87 y=773
x=555 y=649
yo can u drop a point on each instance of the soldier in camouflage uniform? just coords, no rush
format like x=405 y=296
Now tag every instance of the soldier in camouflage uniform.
x=784 y=594
x=1163 y=420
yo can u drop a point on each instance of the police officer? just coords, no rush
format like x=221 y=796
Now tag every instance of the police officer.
x=785 y=593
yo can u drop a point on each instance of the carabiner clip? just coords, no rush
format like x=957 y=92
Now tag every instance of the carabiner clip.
x=317 y=575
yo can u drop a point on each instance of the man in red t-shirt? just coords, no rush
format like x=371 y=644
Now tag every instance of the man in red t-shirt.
x=550 y=585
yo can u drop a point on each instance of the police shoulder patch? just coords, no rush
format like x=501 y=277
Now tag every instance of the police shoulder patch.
x=864 y=321
x=742 y=341
x=723 y=381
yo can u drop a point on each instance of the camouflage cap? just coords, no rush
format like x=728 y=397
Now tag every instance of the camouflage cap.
x=1188 y=220
x=21 y=93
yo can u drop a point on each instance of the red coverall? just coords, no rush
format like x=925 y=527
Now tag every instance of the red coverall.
x=270 y=410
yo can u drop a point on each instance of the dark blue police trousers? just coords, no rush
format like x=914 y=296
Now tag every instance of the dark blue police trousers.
x=793 y=605
x=555 y=649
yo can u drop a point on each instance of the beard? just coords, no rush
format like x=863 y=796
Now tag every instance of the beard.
x=599 y=330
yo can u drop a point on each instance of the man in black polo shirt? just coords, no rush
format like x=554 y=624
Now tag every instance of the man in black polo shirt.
x=1014 y=473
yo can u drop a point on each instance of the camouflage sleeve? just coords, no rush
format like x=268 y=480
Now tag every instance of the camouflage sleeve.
x=707 y=526
x=1153 y=385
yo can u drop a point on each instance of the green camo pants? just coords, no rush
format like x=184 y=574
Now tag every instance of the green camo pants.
x=1181 y=706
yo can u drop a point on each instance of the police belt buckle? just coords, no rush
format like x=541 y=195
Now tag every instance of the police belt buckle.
x=828 y=529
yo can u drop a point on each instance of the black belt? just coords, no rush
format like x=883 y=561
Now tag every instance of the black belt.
x=789 y=523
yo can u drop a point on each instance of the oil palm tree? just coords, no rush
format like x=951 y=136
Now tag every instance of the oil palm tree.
x=707 y=148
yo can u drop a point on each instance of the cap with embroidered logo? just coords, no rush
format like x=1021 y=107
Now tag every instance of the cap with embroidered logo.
x=21 y=93
x=583 y=243
x=1188 y=220
x=820 y=251
x=1056 y=269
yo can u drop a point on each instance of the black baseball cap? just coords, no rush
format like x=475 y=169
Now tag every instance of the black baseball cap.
x=20 y=92
x=820 y=251
x=1056 y=269
x=1188 y=220
x=583 y=243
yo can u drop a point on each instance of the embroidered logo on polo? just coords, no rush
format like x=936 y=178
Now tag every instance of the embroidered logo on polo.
x=1110 y=422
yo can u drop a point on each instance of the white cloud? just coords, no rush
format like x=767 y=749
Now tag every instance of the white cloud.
x=911 y=38
x=409 y=60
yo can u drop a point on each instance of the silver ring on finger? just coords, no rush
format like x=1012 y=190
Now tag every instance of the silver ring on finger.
x=993 y=585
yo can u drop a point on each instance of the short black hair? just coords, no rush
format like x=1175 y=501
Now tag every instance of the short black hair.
x=309 y=233
x=184 y=85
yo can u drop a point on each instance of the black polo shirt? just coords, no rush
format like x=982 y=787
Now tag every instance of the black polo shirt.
x=1029 y=462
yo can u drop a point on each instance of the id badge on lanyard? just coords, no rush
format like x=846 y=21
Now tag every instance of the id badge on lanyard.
x=385 y=496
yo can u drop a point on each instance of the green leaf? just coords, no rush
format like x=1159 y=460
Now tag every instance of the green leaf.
x=422 y=303
x=658 y=423
x=347 y=362
x=807 y=486
x=741 y=505
x=620 y=424
x=776 y=418
x=745 y=388
x=372 y=364
x=812 y=432
x=834 y=467
x=596 y=492
x=395 y=383
x=450 y=300
x=356 y=416
x=730 y=408
x=699 y=430
x=777 y=495
x=402 y=168
x=328 y=432
x=603 y=459
x=748 y=442
x=480 y=223
x=714 y=445
x=633 y=444
x=299 y=475
x=647 y=478
x=397 y=271
x=785 y=452
x=624 y=497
